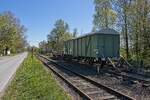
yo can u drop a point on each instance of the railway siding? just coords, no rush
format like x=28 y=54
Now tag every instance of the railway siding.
x=114 y=81
x=102 y=87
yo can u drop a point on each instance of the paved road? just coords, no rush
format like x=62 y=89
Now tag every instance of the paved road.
x=8 y=66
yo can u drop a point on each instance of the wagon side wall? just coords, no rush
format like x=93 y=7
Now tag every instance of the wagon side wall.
x=86 y=46
x=108 y=45
x=95 y=46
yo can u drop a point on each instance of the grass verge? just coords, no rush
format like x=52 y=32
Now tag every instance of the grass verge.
x=33 y=82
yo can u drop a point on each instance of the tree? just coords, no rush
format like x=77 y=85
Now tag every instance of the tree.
x=94 y=29
x=43 y=47
x=75 y=33
x=123 y=15
x=133 y=19
x=58 y=35
x=12 y=35
x=104 y=16
x=140 y=27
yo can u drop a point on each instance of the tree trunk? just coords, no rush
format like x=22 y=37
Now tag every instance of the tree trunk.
x=126 y=35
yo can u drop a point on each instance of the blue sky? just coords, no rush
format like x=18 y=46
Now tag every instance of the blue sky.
x=39 y=16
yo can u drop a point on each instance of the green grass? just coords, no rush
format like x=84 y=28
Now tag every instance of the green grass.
x=33 y=82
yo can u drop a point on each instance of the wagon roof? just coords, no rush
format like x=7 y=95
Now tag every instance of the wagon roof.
x=102 y=31
x=107 y=31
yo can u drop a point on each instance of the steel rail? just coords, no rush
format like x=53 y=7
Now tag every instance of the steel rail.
x=76 y=89
x=108 y=89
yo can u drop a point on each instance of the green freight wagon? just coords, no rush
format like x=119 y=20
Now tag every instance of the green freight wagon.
x=97 y=45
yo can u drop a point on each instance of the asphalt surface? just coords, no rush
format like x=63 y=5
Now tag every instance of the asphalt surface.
x=8 y=67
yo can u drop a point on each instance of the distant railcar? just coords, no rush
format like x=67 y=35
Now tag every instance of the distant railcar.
x=94 y=46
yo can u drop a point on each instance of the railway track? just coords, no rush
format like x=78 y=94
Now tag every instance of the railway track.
x=134 y=77
x=132 y=87
x=128 y=75
x=85 y=87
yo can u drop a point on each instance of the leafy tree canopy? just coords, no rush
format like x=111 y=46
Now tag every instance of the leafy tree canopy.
x=11 y=33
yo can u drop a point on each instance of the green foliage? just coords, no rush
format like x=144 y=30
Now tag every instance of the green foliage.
x=104 y=16
x=33 y=82
x=146 y=58
x=58 y=35
x=122 y=52
x=133 y=19
x=11 y=33
x=43 y=47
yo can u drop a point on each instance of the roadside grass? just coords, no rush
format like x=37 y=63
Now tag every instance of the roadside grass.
x=33 y=82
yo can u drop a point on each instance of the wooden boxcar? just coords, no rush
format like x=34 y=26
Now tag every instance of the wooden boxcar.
x=97 y=45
